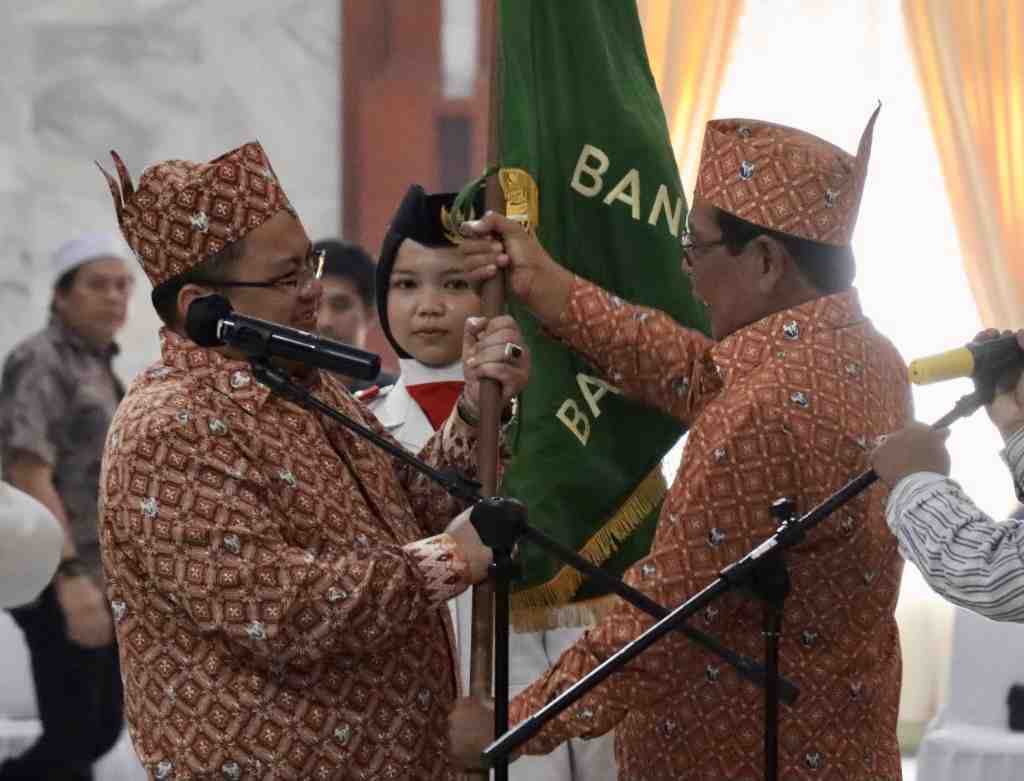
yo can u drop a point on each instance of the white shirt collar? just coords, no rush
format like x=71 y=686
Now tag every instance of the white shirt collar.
x=415 y=373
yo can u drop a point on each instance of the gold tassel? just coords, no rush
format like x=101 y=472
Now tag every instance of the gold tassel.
x=546 y=606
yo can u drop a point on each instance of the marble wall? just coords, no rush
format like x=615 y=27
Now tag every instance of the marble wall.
x=153 y=79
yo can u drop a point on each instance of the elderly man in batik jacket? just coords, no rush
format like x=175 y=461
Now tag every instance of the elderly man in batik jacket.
x=278 y=584
x=785 y=402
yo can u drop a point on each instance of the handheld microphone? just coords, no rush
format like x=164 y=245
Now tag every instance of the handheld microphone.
x=988 y=360
x=211 y=322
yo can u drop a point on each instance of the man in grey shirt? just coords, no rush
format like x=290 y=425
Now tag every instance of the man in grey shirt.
x=57 y=398
x=963 y=554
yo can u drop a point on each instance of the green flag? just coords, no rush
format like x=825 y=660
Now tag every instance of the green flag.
x=580 y=114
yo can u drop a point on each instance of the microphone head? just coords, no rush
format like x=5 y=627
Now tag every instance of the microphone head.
x=203 y=319
x=944 y=366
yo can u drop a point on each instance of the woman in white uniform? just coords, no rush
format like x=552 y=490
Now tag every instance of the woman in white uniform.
x=423 y=300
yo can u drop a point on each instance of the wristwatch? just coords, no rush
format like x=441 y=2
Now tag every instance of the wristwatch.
x=507 y=414
x=468 y=417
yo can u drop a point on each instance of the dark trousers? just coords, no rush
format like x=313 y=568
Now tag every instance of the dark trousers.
x=79 y=696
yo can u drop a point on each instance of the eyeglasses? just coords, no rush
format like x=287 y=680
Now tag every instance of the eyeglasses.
x=312 y=269
x=691 y=248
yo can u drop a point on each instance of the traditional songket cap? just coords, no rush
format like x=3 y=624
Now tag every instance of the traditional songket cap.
x=424 y=218
x=784 y=179
x=184 y=212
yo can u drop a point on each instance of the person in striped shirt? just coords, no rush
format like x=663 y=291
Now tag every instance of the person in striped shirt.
x=964 y=554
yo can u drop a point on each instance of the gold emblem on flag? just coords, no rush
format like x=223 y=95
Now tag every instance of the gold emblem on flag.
x=522 y=197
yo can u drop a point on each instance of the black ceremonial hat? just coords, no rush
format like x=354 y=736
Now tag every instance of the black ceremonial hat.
x=420 y=217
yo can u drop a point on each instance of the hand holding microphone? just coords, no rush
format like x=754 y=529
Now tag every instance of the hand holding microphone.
x=1006 y=410
x=917 y=448
x=988 y=357
x=992 y=357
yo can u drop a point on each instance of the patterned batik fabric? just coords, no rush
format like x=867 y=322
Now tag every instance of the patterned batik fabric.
x=184 y=212
x=278 y=584
x=788 y=406
x=784 y=179
x=57 y=398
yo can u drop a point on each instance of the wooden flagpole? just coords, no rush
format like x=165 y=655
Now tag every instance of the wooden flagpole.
x=481 y=665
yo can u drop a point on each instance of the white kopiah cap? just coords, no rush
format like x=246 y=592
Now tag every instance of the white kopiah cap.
x=87 y=247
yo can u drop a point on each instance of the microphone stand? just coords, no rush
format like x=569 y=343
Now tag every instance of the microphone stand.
x=501 y=522
x=456 y=484
x=762 y=571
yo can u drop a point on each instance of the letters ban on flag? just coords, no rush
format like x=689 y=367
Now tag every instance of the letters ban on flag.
x=586 y=158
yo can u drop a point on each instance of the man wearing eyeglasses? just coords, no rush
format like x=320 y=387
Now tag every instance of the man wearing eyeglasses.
x=784 y=401
x=278 y=585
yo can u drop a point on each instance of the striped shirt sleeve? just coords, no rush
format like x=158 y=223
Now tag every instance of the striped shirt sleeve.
x=963 y=554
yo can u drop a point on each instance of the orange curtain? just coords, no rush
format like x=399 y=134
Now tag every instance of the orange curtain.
x=970 y=61
x=688 y=45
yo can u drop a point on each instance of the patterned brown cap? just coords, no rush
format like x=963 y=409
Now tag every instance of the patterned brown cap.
x=784 y=179
x=184 y=212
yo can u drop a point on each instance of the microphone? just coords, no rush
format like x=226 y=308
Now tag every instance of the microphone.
x=979 y=360
x=212 y=322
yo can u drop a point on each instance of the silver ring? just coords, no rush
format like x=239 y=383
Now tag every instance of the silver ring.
x=513 y=352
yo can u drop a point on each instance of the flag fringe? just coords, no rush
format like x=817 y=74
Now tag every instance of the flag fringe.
x=546 y=606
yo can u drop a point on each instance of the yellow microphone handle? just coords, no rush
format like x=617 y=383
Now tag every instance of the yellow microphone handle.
x=944 y=366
